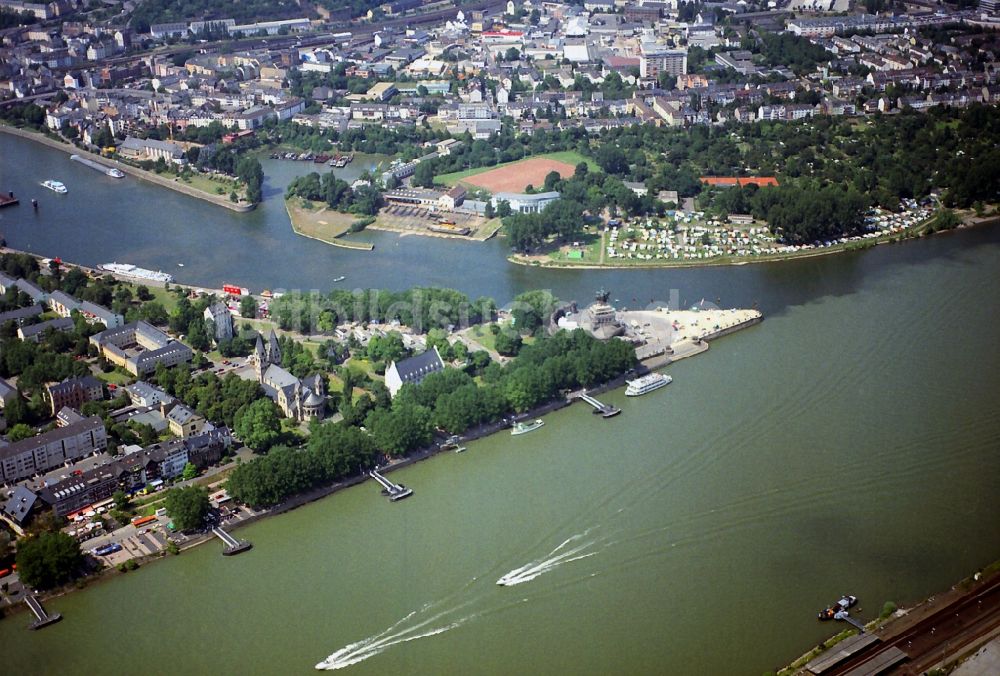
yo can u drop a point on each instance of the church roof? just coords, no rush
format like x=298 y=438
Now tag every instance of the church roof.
x=419 y=366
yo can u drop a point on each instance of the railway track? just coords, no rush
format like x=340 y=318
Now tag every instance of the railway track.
x=946 y=632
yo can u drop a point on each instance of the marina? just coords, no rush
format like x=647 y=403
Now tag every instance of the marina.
x=107 y=171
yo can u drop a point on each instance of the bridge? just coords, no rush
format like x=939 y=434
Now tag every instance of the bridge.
x=394 y=491
x=233 y=546
x=42 y=619
x=604 y=410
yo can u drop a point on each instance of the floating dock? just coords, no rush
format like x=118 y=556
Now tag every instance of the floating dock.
x=393 y=491
x=8 y=200
x=605 y=410
x=42 y=618
x=233 y=546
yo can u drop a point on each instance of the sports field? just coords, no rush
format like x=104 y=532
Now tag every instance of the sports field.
x=514 y=176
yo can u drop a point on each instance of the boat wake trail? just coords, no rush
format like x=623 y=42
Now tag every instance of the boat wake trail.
x=550 y=561
x=360 y=651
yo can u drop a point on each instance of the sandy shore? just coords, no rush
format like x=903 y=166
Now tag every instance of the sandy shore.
x=176 y=185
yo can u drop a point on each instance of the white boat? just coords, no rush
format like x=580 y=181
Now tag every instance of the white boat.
x=55 y=186
x=180 y=265
x=524 y=428
x=132 y=272
x=646 y=384
x=339 y=279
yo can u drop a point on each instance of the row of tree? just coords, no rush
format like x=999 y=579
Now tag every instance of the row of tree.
x=420 y=308
x=335 y=451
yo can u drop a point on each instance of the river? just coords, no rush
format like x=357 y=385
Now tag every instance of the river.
x=846 y=445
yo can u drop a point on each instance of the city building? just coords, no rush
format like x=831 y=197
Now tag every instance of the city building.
x=654 y=59
x=412 y=370
x=139 y=346
x=74 y=392
x=34 y=332
x=48 y=450
x=222 y=320
x=525 y=203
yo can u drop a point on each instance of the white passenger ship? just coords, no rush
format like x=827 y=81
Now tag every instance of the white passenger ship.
x=646 y=384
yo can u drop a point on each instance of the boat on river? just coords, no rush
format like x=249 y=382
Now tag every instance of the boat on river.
x=55 y=186
x=524 y=428
x=841 y=606
x=646 y=384
x=109 y=171
x=339 y=279
x=132 y=272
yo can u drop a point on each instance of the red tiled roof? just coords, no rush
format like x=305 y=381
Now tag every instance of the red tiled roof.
x=759 y=181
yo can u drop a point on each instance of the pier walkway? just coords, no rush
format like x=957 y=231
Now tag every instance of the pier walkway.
x=844 y=617
x=605 y=410
x=42 y=619
x=233 y=546
x=394 y=491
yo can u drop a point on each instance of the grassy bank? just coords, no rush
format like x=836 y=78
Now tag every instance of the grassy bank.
x=316 y=221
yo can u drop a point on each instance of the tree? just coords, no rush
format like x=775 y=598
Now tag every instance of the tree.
x=248 y=307
x=612 y=160
x=121 y=500
x=198 y=336
x=48 y=559
x=258 y=425
x=187 y=507
x=508 y=343
x=20 y=431
x=423 y=175
x=190 y=471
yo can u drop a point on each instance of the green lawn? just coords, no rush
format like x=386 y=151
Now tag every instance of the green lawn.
x=161 y=295
x=567 y=156
x=481 y=334
x=116 y=377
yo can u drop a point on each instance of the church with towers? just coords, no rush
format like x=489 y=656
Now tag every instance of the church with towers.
x=300 y=400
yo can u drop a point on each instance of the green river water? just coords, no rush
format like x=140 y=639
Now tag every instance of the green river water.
x=849 y=444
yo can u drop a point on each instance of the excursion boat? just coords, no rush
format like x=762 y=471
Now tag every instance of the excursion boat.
x=646 y=384
x=524 y=428
x=55 y=186
x=840 y=606
x=339 y=279
x=132 y=272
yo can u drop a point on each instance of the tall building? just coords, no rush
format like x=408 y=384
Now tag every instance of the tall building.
x=989 y=6
x=655 y=59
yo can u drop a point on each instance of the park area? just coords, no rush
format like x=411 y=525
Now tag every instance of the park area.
x=515 y=176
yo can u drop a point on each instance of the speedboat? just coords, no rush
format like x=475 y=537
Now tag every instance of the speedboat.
x=524 y=428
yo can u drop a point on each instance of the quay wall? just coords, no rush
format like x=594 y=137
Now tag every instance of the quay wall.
x=177 y=186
